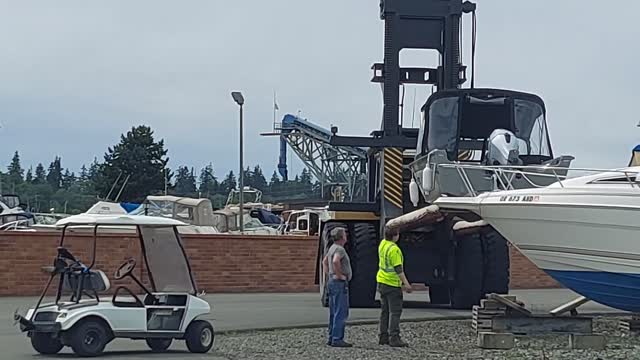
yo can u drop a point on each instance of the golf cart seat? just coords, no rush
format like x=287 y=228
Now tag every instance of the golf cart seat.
x=94 y=280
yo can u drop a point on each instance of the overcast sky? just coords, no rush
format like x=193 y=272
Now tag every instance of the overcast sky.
x=76 y=74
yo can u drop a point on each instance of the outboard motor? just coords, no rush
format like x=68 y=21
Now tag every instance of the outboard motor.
x=503 y=148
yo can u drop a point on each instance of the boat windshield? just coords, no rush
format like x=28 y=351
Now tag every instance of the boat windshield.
x=160 y=208
x=531 y=128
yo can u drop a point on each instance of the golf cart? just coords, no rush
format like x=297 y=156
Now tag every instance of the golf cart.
x=87 y=322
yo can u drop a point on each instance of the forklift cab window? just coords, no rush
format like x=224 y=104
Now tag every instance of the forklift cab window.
x=442 y=120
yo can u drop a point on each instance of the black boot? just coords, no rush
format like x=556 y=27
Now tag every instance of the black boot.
x=395 y=341
x=340 y=344
x=384 y=339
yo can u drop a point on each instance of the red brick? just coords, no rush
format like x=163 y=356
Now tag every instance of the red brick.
x=221 y=263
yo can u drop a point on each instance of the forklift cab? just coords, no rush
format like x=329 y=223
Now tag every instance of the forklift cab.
x=477 y=128
x=465 y=122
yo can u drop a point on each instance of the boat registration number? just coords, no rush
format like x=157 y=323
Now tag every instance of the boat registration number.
x=520 y=198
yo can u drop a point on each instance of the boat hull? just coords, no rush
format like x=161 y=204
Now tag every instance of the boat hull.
x=584 y=240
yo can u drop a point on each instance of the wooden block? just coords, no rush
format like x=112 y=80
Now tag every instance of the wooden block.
x=483 y=322
x=587 y=341
x=490 y=312
x=510 y=304
x=543 y=324
x=491 y=340
x=491 y=305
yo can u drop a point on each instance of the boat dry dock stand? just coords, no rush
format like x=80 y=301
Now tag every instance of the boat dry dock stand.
x=499 y=318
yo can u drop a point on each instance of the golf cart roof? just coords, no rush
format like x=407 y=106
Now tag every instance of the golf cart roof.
x=116 y=219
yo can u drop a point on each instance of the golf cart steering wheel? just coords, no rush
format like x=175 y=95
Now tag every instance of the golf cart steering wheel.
x=125 y=269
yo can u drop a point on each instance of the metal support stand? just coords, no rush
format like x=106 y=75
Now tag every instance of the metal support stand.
x=570 y=307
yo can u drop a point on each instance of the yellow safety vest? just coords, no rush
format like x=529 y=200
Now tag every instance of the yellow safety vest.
x=389 y=256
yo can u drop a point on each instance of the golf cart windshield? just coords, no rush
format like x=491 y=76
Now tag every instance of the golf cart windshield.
x=166 y=260
x=461 y=123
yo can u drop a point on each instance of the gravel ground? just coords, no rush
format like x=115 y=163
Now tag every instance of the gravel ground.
x=428 y=340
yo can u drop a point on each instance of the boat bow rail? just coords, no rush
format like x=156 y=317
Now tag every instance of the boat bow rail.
x=504 y=177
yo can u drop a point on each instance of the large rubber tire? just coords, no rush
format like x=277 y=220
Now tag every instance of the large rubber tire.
x=45 y=344
x=90 y=337
x=439 y=294
x=363 y=245
x=199 y=336
x=496 y=263
x=158 y=345
x=467 y=289
x=324 y=246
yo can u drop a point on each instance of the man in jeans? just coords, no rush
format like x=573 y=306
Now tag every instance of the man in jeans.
x=391 y=281
x=338 y=266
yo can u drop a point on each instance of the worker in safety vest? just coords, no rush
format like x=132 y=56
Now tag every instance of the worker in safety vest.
x=391 y=281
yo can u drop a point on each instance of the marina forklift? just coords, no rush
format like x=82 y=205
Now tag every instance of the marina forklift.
x=460 y=260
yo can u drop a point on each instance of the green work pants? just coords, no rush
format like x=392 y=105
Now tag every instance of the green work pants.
x=391 y=300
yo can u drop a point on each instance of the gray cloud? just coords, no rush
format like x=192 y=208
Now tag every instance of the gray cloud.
x=75 y=76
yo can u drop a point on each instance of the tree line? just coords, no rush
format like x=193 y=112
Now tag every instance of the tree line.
x=132 y=169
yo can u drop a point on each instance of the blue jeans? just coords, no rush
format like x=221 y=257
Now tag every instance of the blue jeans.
x=338 y=308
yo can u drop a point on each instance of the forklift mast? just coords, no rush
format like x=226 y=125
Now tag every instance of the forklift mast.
x=408 y=24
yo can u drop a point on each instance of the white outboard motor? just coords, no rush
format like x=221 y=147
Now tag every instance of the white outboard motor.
x=503 y=148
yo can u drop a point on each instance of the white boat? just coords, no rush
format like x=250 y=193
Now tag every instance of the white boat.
x=581 y=230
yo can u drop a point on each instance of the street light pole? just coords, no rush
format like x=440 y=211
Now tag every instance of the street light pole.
x=239 y=99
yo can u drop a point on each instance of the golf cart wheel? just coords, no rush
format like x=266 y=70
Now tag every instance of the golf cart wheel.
x=45 y=344
x=199 y=336
x=158 y=345
x=439 y=294
x=89 y=337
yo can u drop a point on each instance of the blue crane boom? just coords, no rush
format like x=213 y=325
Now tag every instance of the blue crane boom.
x=331 y=165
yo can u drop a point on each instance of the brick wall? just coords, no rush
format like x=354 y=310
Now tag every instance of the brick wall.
x=221 y=263
x=525 y=275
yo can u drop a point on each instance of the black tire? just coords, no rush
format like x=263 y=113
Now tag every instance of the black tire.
x=496 y=263
x=158 y=345
x=439 y=294
x=45 y=344
x=90 y=337
x=467 y=289
x=199 y=336
x=324 y=246
x=363 y=253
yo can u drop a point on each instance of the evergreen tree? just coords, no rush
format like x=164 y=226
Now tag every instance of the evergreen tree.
x=275 y=184
x=208 y=182
x=40 y=175
x=139 y=156
x=15 y=171
x=229 y=183
x=258 y=180
x=84 y=173
x=54 y=176
x=248 y=178
x=185 y=182
x=29 y=177
x=68 y=179
x=94 y=170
